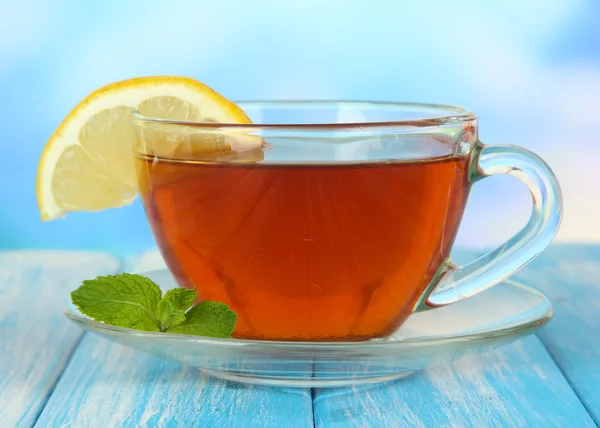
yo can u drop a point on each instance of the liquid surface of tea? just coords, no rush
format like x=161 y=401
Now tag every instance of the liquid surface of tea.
x=322 y=252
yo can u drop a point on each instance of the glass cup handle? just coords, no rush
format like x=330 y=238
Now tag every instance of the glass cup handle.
x=457 y=283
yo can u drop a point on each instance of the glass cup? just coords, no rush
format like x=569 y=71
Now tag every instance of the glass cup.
x=327 y=220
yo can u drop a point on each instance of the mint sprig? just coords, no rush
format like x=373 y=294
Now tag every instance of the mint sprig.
x=134 y=301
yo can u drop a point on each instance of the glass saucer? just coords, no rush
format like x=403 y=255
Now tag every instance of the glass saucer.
x=495 y=317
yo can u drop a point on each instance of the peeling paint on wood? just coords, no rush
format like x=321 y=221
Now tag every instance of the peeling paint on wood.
x=514 y=386
x=570 y=276
x=36 y=339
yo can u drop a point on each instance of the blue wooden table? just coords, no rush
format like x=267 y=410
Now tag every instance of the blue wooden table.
x=52 y=375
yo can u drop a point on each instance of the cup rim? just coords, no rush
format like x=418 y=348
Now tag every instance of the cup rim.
x=453 y=115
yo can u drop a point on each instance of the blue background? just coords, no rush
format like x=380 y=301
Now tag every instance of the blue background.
x=530 y=69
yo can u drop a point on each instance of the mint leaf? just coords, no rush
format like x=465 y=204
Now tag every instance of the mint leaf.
x=182 y=298
x=124 y=300
x=171 y=309
x=169 y=315
x=207 y=318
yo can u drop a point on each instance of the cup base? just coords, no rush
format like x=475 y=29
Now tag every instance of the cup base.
x=308 y=383
x=320 y=339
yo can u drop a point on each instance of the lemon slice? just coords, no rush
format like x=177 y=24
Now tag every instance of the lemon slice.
x=88 y=163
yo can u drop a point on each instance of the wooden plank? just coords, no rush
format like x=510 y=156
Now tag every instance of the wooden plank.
x=515 y=386
x=110 y=385
x=36 y=339
x=570 y=276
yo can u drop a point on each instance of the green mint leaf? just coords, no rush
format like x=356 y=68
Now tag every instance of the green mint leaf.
x=181 y=298
x=207 y=318
x=171 y=309
x=169 y=315
x=124 y=300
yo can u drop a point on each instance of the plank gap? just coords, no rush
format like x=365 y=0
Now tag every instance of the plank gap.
x=313 y=394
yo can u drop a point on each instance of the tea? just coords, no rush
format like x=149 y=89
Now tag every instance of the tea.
x=307 y=252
